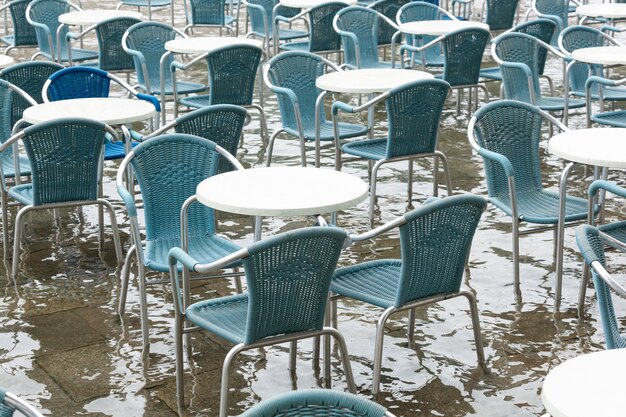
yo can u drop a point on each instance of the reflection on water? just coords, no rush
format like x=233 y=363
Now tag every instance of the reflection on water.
x=65 y=348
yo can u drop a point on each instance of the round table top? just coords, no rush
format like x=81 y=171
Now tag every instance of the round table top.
x=588 y=385
x=371 y=80
x=94 y=16
x=110 y=110
x=603 y=55
x=439 y=27
x=604 y=147
x=307 y=4
x=282 y=191
x=5 y=61
x=205 y=44
x=608 y=10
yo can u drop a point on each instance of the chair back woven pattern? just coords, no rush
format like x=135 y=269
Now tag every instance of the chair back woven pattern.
x=592 y=248
x=65 y=157
x=542 y=29
x=501 y=13
x=524 y=49
x=363 y=23
x=512 y=129
x=149 y=38
x=323 y=36
x=558 y=8
x=112 y=56
x=47 y=12
x=257 y=17
x=207 y=12
x=168 y=169
x=221 y=124
x=297 y=71
x=388 y=8
x=288 y=279
x=23 y=33
x=416 y=12
x=413 y=113
x=78 y=82
x=435 y=244
x=577 y=37
x=463 y=53
x=232 y=72
x=6 y=111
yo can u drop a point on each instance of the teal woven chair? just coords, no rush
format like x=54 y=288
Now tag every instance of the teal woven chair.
x=66 y=169
x=506 y=134
x=149 y=4
x=500 y=14
x=43 y=15
x=262 y=15
x=288 y=278
x=168 y=169
x=210 y=14
x=317 y=402
x=24 y=35
x=413 y=113
x=10 y=403
x=291 y=75
x=591 y=243
x=389 y=9
x=555 y=10
x=435 y=242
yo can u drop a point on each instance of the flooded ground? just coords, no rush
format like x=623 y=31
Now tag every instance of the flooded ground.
x=64 y=347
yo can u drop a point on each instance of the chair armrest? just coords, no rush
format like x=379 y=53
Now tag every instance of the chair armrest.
x=128 y=200
x=282 y=90
x=339 y=105
x=152 y=99
x=176 y=255
x=499 y=158
x=594 y=79
x=607 y=186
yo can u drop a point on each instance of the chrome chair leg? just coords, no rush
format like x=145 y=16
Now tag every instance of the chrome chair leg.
x=226 y=378
x=125 y=279
x=480 y=353
x=378 y=348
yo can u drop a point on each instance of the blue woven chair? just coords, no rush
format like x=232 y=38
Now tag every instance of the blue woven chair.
x=389 y=9
x=413 y=112
x=435 y=242
x=43 y=15
x=149 y=4
x=288 y=278
x=23 y=33
x=317 y=402
x=500 y=14
x=87 y=82
x=262 y=20
x=506 y=134
x=10 y=403
x=555 y=10
x=358 y=27
x=66 y=169
x=591 y=243
x=211 y=14
x=291 y=75
x=518 y=56
x=232 y=74
x=168 y=169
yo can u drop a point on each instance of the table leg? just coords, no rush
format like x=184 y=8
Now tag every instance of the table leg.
x=561 y=235
x=257 y=228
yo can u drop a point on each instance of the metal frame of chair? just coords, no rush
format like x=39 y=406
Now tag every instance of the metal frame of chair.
x=201 y=15
x=149 y=4
x=437 y=231
x=24 y=35
x=9 y=403
x=304 y=261
x=551 y=9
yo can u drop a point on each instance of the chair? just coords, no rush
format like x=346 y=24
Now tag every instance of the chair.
x=10 y=403
x=518 y=56
x=435 y=242
x=500 y=14
x=262 y=20
x=413 y=112
x=358 y=27
x=23 y=34
x=87 y=82
x=291 y=75
x=506 y=134
x=591 y=243
x=149 y=4
x=43 y=15
x=168 y=168
x=389 y=9
x=232 y=74
x=555 y=10
x=66 y=168
x=210 y=13
x=288 y=276
x=317 y=402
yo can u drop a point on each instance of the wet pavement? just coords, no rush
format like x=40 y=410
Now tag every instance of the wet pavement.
x=64 y=347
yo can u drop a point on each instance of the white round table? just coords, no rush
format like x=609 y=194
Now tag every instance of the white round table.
x=607 y=10
x=602 y=55
x=307 y=4
x=439 y=27
x=206 y=44
x=95 y=16
x=604 y=147
x=589 y=385
x=5 y=61
x=367 y=81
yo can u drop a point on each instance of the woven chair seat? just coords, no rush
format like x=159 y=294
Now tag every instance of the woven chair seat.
x=346 y=130
x=493 y=73
x=8 y=166
x=225 y=316
x=196 y=102
x=616 y=230
x=182 y=87
x=374 y=282
x=116 y=150
x=615 y=118
x=431 y=60
x=77 y=55
x=608 y=93
x=375 y=149
x=542 y=207
x=296 y=46
x=286 y=34
x=558 y=103
x=144 y=3
x=22 y=193
x=205 y=249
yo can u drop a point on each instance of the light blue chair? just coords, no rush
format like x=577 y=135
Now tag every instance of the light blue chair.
x=211 y=14
x=263 y=15
x=23 y=35
x=149 y=4
x=435 y=242
x=288 y=276
x=413 y=113
x=66 y=169
x=10 y=403
x=168 y=169
x=291 y=75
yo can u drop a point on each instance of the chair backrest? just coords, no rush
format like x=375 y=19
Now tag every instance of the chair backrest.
x=322 y=34
x=9 y=95
x=577 y=37
x=463 y=53
x=417 y=11
x=361 y=22
x=261 y=16
x=23 y=33
x=9 y=404
x=388 y=8
x=288 y=279
x=111 y=55
x=542 y=29
x=500 y=13
x=513 y=129
x=524 y=49
x=47 y=12
x=435 y=242
x=232 y=72
x=558 y=8
x=222 y=124
x=65 y=157
x=297 y=71
x=78 y=82
x=413 y=112
x=591 y=247
x=207 y=12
